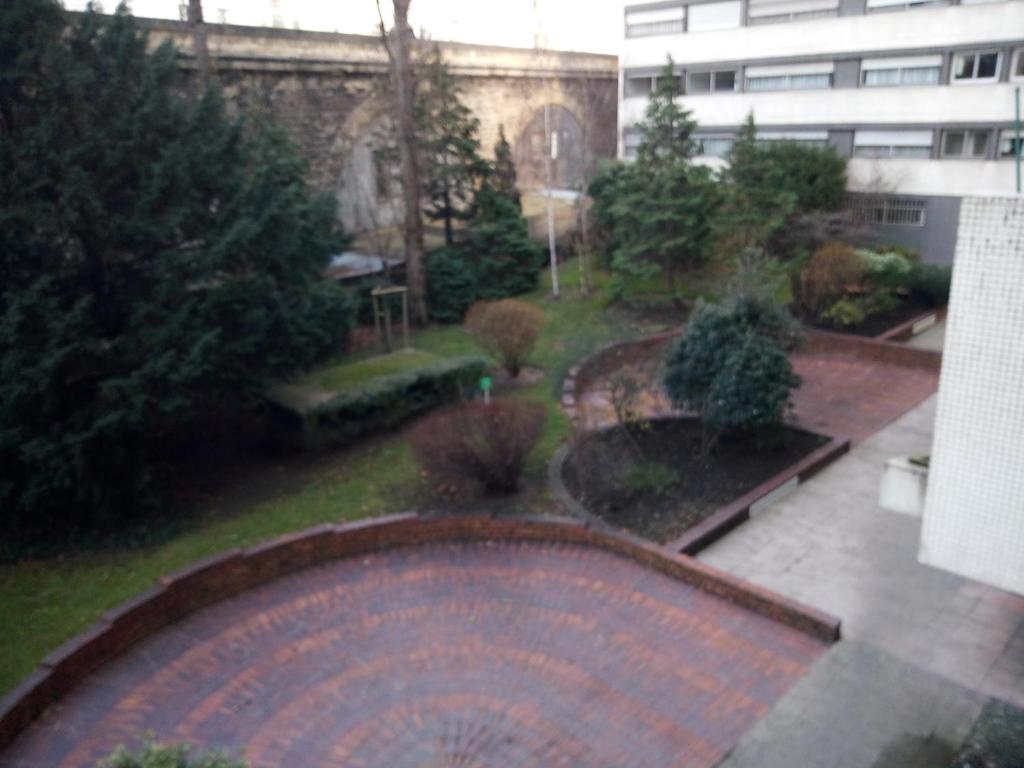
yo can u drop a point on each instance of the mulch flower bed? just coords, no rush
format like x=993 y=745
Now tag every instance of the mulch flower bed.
x=656 y=481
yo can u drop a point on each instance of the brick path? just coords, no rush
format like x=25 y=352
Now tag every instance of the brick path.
x=841 y=395
x=852 y=397
x=450 y=656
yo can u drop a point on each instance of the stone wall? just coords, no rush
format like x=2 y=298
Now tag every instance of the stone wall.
x=325 y=89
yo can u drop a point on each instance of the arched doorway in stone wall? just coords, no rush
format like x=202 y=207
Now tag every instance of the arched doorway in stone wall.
x=530 y=150
x=369 y=192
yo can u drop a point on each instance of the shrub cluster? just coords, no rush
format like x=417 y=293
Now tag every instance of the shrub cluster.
x=381 y=404
x=730 y=370
x=831 y=270
x=154 y=755
x=484 y=442
x=842 y=286
x=507 y=330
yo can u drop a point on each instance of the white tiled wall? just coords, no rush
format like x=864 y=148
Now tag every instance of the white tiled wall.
x=974 y=511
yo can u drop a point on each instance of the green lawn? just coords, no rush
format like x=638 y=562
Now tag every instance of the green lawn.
x=46 y=601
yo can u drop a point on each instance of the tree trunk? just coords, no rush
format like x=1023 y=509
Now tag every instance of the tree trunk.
x=198 y=27
x=401 y=72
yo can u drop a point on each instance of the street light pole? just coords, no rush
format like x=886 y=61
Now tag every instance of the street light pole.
x=552 y=155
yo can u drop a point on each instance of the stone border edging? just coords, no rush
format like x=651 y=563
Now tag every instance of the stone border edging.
x=724 y=519
x=234 y=571
x=907 y=330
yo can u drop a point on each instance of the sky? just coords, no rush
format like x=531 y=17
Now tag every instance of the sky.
x=578 y=25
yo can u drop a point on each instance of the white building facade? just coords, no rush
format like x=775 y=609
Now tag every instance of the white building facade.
x=918 y=95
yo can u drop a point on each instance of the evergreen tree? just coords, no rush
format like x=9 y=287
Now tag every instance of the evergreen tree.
x=159 y=262
x=755 y=206
x=507 y=260
x=503 y=177
x=667 y=128
x=659 y=209
x=452 y=166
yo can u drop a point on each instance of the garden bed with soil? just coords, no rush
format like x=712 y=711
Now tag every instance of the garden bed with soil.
x=657 y=482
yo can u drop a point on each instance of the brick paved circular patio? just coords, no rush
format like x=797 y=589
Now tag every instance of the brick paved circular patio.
x=465 y=655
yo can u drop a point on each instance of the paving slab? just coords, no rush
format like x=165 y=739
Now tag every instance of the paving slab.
x=830 y=545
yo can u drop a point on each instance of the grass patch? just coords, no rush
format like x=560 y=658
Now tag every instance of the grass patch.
x=345 y=377
x=45 y=601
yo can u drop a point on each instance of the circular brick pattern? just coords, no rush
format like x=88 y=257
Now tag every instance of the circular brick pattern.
x=462 y=655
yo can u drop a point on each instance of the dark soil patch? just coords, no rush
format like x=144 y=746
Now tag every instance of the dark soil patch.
x=658 y=483
x=875 y=325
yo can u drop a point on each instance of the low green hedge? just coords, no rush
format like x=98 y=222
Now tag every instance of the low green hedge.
x=380 y=404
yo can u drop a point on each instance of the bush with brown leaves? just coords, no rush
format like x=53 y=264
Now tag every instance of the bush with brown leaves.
x=832 y=270
x=507 y=330
x=484 y=442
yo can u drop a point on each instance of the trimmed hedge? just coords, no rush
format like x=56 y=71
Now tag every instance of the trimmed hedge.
x=380 y=404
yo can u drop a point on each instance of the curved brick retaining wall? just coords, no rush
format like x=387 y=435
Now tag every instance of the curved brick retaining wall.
x=232 y=572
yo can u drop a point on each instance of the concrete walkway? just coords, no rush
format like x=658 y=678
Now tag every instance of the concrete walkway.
x=922 y=647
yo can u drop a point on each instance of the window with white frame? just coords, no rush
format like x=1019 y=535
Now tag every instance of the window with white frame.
x=638 y=85
x=1017 y=70
x=906 y=70
x=774 y=11
x=713 y=145
x=980 y=2
x=807 y=138
x=1011 y=144
x=901 y=5
x=711 y=82
x=658 y=21
x=975 y=67
x=893 y=211
x=967 y=144
x=790 y=77
x=631 y=141
x=705 y=17
x=896 y=144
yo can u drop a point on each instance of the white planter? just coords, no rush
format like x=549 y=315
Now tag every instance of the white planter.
x=903 y=487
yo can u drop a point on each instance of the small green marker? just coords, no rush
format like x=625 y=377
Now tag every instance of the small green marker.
x=486 y=382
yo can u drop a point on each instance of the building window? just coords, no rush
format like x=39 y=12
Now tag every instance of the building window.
x=661 y=21
x=713 y=146
x=910 y=70
x=902 y=5
x=710 y=16
x=965 y=144
x=631 y=141
x=1010 y=145
x=1017 y=70
x=976 y=67
x=895 y=144
x=638 y=86
x=806 y=138
x=775 y=11
x=793 y=77
x=711 y=82
x=893 y=211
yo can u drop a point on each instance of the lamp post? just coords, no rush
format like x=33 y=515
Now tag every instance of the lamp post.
x=552 y=155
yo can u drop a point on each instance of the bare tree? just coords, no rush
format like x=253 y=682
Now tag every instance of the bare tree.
x=595 y=99
x=202 y=52
x=404 y=92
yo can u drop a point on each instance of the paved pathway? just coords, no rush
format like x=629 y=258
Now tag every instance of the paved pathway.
x=449 y=656
x=830 y=545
